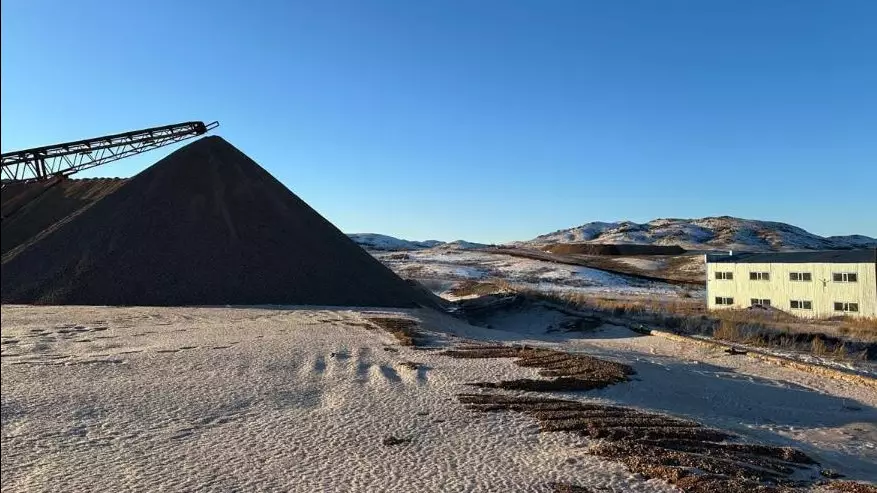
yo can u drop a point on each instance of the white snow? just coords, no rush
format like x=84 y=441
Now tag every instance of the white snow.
x=832 y=420
x=213 y=399
x=300 y=399
x=642 y=263
x=462 y=265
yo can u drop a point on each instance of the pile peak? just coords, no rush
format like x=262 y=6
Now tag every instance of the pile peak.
x=206 y=225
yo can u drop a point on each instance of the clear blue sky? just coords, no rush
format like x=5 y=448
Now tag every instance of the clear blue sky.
x=488 y=120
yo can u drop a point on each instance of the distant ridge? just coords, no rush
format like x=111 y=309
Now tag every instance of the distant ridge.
x=708 y=233
x=375 y=241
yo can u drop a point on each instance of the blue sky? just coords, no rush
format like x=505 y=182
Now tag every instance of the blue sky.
x=486 y=120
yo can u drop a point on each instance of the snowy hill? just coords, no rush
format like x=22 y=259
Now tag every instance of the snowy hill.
x=374 y=241
x=462 y=245
x=709 y=233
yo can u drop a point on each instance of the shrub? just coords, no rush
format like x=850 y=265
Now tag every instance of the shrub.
x=727 y=330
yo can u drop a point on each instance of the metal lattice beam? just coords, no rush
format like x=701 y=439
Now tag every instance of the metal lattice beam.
x=42 y=163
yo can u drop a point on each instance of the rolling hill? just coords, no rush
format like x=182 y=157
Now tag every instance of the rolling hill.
x=708 y=233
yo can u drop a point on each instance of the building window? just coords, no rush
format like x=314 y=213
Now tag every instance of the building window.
x=759 y=276
x=721 y=300
x=845 y=307
x=801 y=305
x=800 y=276
x=760 y=302
x=845 y=277
x=725 y=275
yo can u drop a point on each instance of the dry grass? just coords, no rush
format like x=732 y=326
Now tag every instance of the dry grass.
x=852 y=487
x=694 y=458
x=565 y=371
x=863 y=329
x=756 y=334
x=481 y=288
x=728 y=331
x=403 y=329
x=568 y=488
x=868 y=323
x=857 y=338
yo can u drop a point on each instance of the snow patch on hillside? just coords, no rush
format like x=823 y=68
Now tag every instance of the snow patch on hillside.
x=462 y=245
x=375 y=241
x=449 y=265
x=708 y=233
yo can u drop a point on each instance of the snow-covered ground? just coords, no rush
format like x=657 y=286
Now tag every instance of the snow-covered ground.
x=642 y=263
x=213 y=399
x=262 y=399
x=454 y=265
x=833 y=420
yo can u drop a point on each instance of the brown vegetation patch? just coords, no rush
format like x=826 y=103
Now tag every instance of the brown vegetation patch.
x=683 y=452
x=712 y=484
x=565 y=371
x=758 y=334
x=403 y=329
x=568 y=488
x=852 y=487
x=856 y=338
x=481 y=288
x=861 y=328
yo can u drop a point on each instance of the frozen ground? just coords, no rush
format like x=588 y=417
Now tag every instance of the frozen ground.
x=833 y=420
x=102 y=399
x=458 y=265
x=642 y=263
x=248 y=399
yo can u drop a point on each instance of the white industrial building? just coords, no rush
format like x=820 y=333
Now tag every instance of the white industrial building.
x=817 y=284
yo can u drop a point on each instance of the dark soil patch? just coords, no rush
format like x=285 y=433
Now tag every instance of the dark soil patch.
x=581 y=324
x=31 y=208
x=204 y=226
x=403 y=329
x=391 y=441
x=852 y=487
x=695 y=458
x=568 y=488
x=565 y=371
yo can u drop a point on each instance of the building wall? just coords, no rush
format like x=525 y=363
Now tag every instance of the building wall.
x=822 y=291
